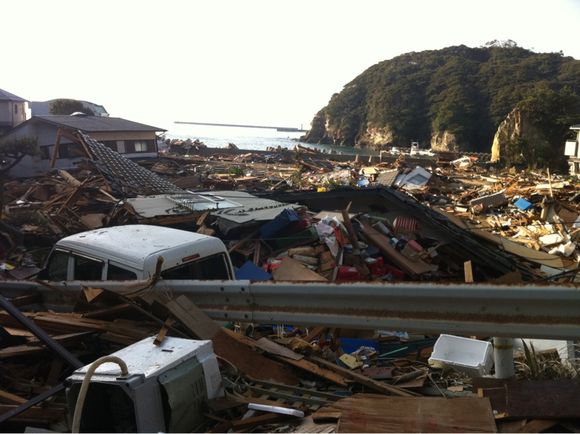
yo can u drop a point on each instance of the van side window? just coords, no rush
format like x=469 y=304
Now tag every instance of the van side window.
x=57 y=266
x=87 y=268
x=118 y=273
x=210 y=268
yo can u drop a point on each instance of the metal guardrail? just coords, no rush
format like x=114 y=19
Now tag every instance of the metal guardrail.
x=548 y=312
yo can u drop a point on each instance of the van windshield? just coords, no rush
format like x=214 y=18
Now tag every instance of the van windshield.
x=211 y=268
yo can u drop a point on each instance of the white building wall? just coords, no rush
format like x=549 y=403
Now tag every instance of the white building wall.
x=20 y=112
x=572 y=148
x=37 y=165
x=13 y=113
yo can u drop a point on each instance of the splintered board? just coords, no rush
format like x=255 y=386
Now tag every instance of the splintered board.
x=372 y=413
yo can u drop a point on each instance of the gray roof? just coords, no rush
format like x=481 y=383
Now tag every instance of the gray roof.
x=575 y=127
x=7 y=96
x=126 y=177
x=92 y=124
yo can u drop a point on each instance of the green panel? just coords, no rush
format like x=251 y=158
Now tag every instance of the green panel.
x=306 y=236
x=185 y=395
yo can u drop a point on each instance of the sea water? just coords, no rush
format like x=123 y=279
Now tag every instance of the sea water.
x=250 y=138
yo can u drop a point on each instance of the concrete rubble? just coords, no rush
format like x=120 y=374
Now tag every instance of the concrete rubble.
x=299 y=216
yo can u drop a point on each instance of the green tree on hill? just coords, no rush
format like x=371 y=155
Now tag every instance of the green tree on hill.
x=551 y=112
x=464 y=91
x=68 y=106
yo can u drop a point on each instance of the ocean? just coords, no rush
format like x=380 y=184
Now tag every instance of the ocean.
x=250 y=138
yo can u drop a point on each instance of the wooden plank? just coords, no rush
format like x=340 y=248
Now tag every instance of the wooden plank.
x=227 y=347
x=273 y=348
x=349 y=228
x=63 y=322
x=414 y=268
x=24 y=300
x=202 y=218
x=314 y=369
x=468 y=272
x=326 y=414
x=537 y=256
x=362 y=379
x=510 y=426
x=36 y=347
x=538 y=425
x=57 y=366
x=373 y=413
x=11 y=398
x=250 y=362
x=193 y=317
x=262 y=419
x=243 y=241
x=36 y=415
x=257 y=252
x=538 y=399
x=292 y=270
x=108 y=311
x=163 y=332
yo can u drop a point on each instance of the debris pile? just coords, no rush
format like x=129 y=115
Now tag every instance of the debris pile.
x=274 y=377
x=292 y=217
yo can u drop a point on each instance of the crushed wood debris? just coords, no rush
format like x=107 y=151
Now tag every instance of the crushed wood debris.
x=295 y=216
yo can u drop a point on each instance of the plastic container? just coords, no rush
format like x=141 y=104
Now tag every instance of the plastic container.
x=349 y=274
x=281 y=221
x=472 y=356
x=376 y=266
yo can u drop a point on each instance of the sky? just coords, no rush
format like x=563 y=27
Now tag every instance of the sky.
x=260 y=62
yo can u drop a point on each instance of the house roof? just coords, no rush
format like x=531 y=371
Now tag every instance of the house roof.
x=7 y=96
x=126 y=177
x=92 y=124
x=575 y=127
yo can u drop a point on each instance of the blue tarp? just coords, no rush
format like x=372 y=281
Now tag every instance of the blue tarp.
x=250 y=271
x=282 y=220
x=523 y=204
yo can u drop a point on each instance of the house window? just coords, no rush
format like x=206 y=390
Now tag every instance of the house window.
x=140 y=146
x=71 y=150
x=46 y=152
x=133 y=146
x=15 y=108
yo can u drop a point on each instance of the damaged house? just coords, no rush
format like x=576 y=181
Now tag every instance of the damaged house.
x=13 y=111
x=129 y=138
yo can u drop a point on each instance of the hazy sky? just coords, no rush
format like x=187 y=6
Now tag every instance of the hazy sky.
x=245 y=61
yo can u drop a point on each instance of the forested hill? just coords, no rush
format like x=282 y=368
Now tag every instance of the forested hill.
x=453 y=97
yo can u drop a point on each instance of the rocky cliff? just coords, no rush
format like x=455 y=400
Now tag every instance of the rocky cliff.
x=450 y=99
x=515 y=137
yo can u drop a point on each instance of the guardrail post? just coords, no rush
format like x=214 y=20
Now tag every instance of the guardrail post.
x=503 y=357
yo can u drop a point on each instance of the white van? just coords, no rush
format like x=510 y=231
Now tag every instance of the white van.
x=131 y=252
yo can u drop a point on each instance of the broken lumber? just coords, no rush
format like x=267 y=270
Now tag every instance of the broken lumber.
x=225 y=346
x=362 y=379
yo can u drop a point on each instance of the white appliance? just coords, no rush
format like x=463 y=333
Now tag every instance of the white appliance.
x=165 y=390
